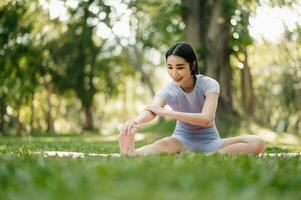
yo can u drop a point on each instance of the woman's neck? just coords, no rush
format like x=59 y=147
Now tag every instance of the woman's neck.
x=189 y=86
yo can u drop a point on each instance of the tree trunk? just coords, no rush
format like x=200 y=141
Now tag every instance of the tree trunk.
x=19 y=125
x=225 y=80
x=49 y=118
x=217 y=60
x=102 y=111
x=135 y=59
x=138 y=65
x=145 y=78
x=32 y=114
x=247 y=87
x=2 y=114
x=147 y=81
x=208 y=26
x=298 y=125
x=89 y=119
x=192 y=22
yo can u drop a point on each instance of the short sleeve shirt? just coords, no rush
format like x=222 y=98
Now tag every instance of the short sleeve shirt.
x=193 y=101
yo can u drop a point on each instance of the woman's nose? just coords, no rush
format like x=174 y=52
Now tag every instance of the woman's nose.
x=174 y=73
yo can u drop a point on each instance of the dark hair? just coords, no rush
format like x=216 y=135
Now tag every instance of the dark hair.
x=185 y=51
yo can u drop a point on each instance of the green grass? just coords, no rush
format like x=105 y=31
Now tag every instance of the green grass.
x=25 y=175
x=186 y=176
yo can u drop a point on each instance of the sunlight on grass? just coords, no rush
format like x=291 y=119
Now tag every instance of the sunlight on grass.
x=88 y=138
x=275 y=138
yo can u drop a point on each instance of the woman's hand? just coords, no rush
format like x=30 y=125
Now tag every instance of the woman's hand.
x=129 y=127
x=157 y=110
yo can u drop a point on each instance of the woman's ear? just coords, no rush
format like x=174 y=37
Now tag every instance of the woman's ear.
x=193 y=66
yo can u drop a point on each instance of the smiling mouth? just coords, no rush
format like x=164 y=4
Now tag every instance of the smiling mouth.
x=178 y=80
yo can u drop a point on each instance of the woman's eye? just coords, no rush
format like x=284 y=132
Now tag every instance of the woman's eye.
x=177 y=68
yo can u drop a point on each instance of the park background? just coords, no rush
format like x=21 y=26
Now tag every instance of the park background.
x=72 y=71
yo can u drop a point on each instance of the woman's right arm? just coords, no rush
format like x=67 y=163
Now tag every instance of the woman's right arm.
x=145 y=116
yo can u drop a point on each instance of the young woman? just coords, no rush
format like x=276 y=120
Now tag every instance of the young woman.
x=193 y=99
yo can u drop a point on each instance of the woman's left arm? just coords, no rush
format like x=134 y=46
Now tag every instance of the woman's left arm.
x=205 y=118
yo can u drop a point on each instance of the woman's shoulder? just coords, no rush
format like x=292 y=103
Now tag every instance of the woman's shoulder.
x=171 y=88
x=207 y=84
x=169 y=92
x=203 y=79
x=166 y=87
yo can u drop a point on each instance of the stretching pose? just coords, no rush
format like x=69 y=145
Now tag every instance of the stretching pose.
x=193 y=98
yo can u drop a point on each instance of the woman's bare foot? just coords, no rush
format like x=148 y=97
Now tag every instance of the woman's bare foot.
x=127 y=144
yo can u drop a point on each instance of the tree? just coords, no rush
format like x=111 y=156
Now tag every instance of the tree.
x=239 y=43
x=210 y=21
x=18 y=60
x=154 y=26
x=77 y=56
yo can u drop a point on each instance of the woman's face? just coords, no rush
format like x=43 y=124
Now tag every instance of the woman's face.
x=179 y=70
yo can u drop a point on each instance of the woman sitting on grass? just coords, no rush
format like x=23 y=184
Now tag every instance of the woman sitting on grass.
x=193 y=99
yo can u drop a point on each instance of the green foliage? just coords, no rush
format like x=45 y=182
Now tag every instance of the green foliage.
x=277 y=80
x=290 y=93
x=75 y=55
x=162 y=20
x=19 y=56
x=229 y=7
x=38 y=53
x=240 y=37
x=81 y=61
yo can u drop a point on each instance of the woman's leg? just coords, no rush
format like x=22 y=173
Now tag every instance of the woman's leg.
x=164 y=145
x=249 y=144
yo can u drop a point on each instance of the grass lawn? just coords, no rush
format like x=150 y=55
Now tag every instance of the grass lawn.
x=24 y=175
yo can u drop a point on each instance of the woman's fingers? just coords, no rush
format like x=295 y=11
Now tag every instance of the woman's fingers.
x=134 y=128
x=121 y=128
x=129 y=127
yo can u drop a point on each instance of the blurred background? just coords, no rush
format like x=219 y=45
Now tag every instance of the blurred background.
x=75 y=66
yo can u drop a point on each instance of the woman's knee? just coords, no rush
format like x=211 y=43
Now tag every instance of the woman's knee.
x=257 y=144
x=169 y=144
